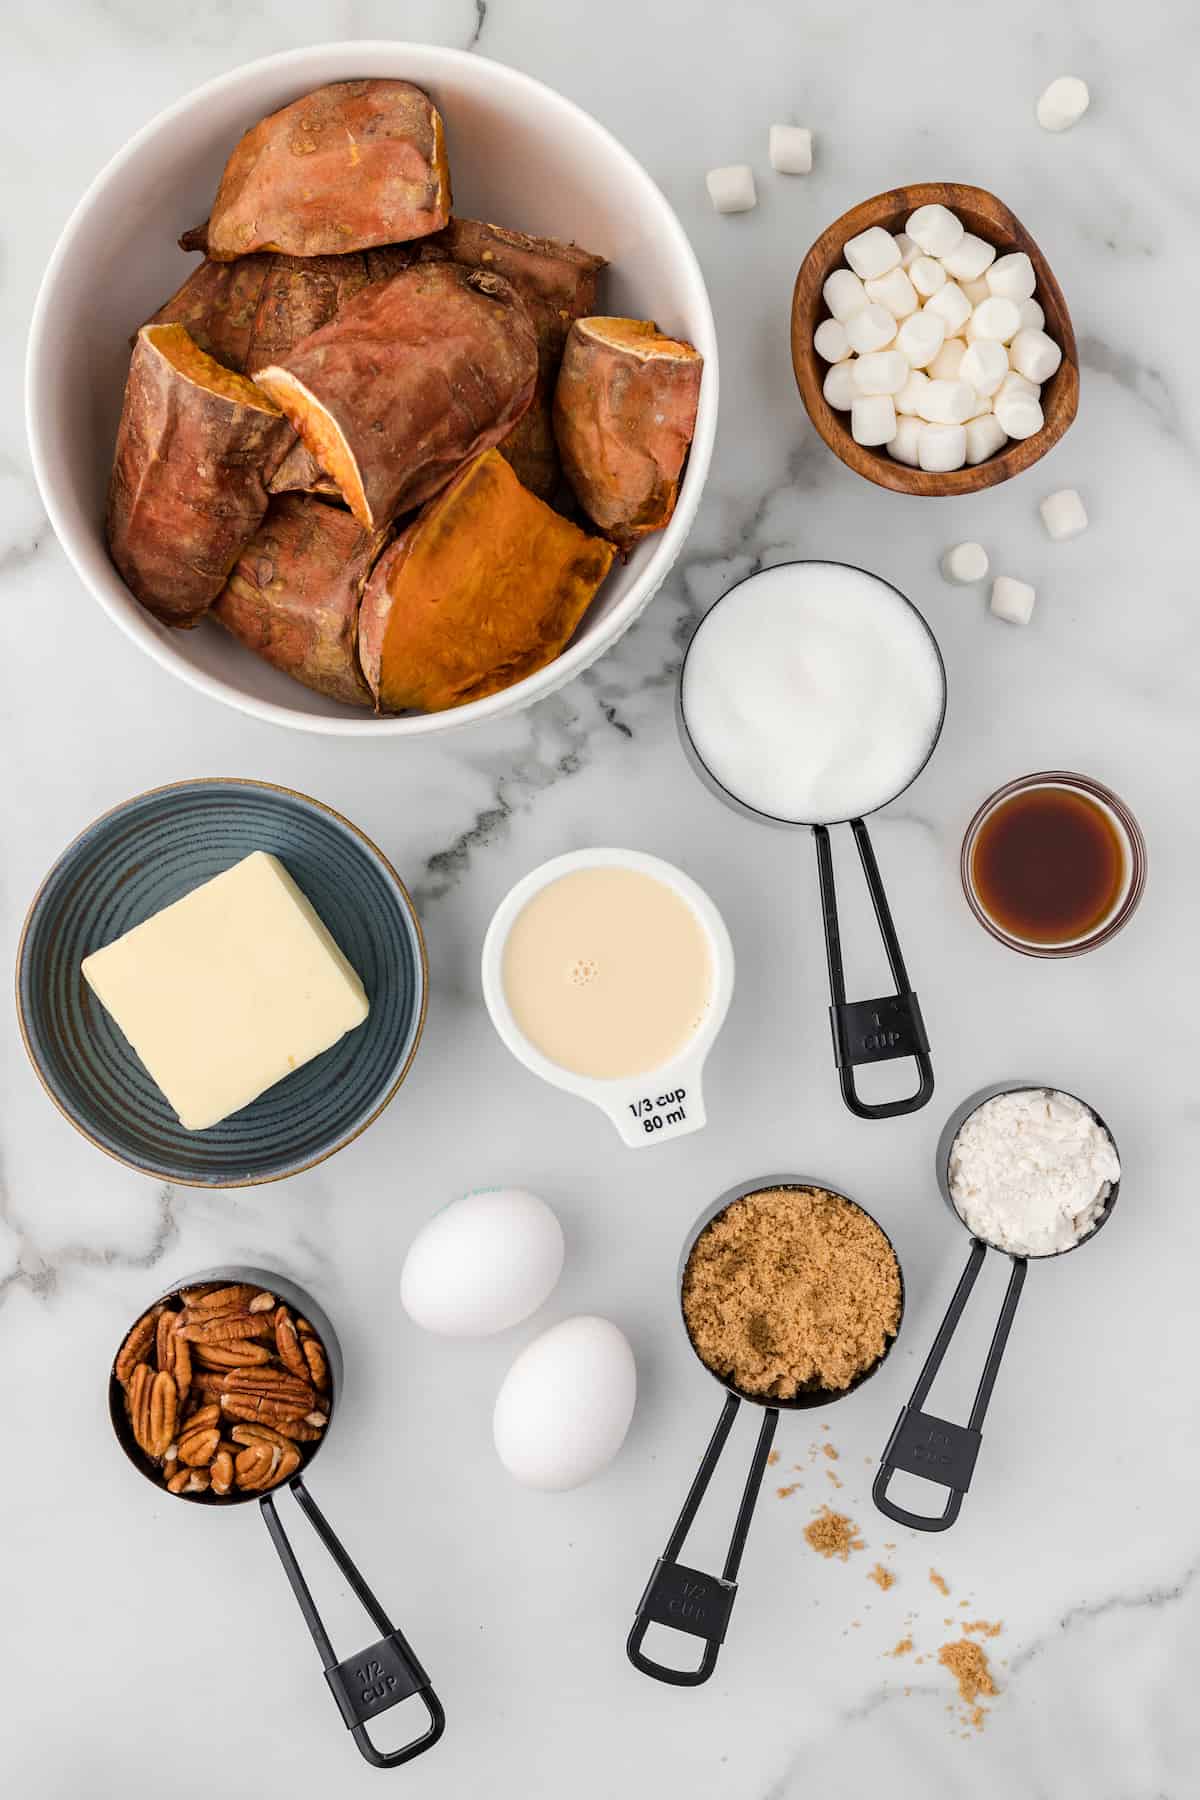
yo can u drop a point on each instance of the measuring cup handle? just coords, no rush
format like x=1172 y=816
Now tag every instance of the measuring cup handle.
x=688 y=1600
x=938 y=1449
x=379 y=1677
x=870 y=1031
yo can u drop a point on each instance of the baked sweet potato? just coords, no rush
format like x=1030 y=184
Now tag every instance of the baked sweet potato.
x=484 y=587
x=624 y=416
x=353 y=164
x=413 y=378
x=301 y=473
x=294 y=594
x=196 y=447
x=216 y=305
x=299 y=294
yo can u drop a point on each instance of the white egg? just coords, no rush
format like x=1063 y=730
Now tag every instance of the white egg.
x=565 y=1405
x=483 y=1263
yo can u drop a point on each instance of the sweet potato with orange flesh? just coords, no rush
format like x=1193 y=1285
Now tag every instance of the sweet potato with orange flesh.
x=624 y=415
x=413 y=378
x=196 y=447
x=294 y=594
x=353 y=164
x=216 y=305
x=483 y=588
x=299 y=294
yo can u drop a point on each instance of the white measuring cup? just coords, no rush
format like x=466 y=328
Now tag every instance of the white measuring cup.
x=656 y=1104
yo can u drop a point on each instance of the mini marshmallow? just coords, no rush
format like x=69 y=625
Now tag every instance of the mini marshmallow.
x=872 y=419
x=948 y=361
x=927 y=275
x=871 y=329
x=1063 y=103
x=908 y=400
x=965 y=563
x=941 y=448
x=969 y=257
x=951 y=305
x=1013 y=600
x=985 y=435
x=1017 y=384
x=830 y=341
x=995 y=318
x=895 y=291
x=985 y=365
x=790 y=149
x=839 y=387
x=1031 y=315
x=1034 y=355
x=872 y=253
x=844 y=294
x=909 y=251
x=903 y=448
x=1018 y=415
x=921 y=337
x=731 y=189
x=948 y=403
x=935 y=229
x=1012 y=277
x=1063 y=514
x=881 y=372
x=975 y=290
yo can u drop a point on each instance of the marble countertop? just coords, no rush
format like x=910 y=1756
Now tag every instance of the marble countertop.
x=150 y=1648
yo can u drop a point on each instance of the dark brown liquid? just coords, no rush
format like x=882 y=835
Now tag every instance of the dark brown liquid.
x=1048 y=865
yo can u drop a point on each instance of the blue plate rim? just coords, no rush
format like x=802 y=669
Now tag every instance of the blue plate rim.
x=271 y=787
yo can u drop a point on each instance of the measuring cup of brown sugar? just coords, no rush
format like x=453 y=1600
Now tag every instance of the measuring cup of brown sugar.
x=1053 y=864
x=764 y=1273
x=224 y=1389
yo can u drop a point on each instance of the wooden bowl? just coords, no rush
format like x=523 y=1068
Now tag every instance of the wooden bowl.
x=990 y=219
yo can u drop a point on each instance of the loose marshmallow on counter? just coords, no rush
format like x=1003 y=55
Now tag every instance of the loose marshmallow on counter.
x=1063 y=514
x=872 y=419
x=1031 y=315
x=844 y=294
x=948 y=403
x=894 y=291
x=1034 y=355
x=935 y=229
x=921 y=337
x=830 y=341
x=904 y=447
x=1018 y=415
x=872 y=253
x=871 y=329
x=1012 y=277
x=941 y=448
x=984 y=365
x=731 y=189
x=985 y=435
x=881 y=372
x=969 y=257
x=1013 y=600
x=839 y=386
x=996 y=318
x=951 y=305
x=1063 y=103
x=927 y=275
x=908 y=400
x=965 y=563
x=948 y=361
x=790 y=149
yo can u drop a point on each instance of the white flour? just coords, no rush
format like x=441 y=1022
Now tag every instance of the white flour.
x=1030 y=1171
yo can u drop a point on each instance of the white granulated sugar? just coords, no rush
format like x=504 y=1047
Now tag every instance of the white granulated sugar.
x=1030 y=1171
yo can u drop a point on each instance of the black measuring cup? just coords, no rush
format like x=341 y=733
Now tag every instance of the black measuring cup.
x=385 y=1673
x=686 y=1599
x=864 y=1031
x=937 y=1449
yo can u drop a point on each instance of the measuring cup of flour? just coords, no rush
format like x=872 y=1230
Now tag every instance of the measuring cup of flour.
x=1033 y=1172
x=685 y=1599
x=609 y=974
x=811 y=695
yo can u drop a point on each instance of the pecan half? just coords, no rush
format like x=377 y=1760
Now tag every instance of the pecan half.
x=153 y=1408
x=234 y=1298
x=287 y=1343
x=242 y=1353
x=189 y=1481
x=136 y=1346
x=199 y=1440
x=225 y=1327
x=206 y=1387
x=271 y=1395
x=255 y=1466
x=314 y=1357
x=221 y=1471
x=173 y=1352
x=284 y=1455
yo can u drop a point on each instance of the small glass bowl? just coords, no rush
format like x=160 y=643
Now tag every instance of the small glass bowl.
x=1128 y=829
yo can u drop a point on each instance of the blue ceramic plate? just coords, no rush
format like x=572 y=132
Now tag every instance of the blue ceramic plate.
x=138 y=859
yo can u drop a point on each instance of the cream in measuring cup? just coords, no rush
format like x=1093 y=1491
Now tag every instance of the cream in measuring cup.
x=608 y=973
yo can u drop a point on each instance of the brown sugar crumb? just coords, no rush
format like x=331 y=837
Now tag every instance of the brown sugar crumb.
x=829 y=1451
x=940 y=1583
x=903 y=1648
x=984 y=1627
x=833 y=1534
x=789 y=1290
x=836 y=1479
x=969 y=1666
x=785 y=1493
x=883 y=1578
x=772 y=1459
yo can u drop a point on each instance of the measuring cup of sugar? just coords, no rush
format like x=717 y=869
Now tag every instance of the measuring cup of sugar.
x=609 y=974
x=1029 y=1170
x=812 y=694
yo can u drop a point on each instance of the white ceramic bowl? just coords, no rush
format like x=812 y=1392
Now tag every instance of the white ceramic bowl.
x=520 y=155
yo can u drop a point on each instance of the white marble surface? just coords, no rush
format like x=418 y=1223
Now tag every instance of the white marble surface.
x=150 y=1648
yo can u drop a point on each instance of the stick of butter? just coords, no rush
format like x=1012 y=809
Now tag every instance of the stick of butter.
x=228 y=990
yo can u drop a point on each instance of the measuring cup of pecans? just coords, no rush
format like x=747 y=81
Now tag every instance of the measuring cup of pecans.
x=221 y=1392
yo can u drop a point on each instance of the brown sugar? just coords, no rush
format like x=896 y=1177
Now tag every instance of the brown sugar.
x=791 y=1290
x=833 y=1534
x=969 y=1666
x=883 y=1578
x=772 y=1459
x=785 y=1493
x=984 y=1627
x=829 y=1451
x=903 y=1648
x=940 y=1583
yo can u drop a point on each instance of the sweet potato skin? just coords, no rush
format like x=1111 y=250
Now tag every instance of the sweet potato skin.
x=194 y=454
x=483 y=588
x=413 y=378
x=217 y=305
x=300 y=294
x=624 y=416
x=354 y=164
x=294 y=593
